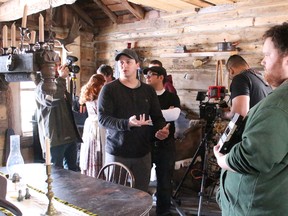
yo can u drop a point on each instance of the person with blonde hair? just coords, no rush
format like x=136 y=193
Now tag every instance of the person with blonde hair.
x=91 y=151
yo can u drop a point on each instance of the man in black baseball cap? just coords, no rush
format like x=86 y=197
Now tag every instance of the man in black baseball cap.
x=129 y=53
x=124 y=107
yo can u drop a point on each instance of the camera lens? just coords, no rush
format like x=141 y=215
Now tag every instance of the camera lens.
x=75 y=69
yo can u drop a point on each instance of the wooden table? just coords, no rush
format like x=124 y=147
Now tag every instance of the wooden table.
x=95 y=195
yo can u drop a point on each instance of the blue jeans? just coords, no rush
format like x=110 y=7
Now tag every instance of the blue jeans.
x=65 y=156
x=163 y=156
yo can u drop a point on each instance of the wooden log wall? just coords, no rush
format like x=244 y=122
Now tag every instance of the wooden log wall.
x=159 y=33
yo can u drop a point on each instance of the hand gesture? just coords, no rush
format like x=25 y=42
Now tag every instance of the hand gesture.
x=163 y=133
x=134 y=122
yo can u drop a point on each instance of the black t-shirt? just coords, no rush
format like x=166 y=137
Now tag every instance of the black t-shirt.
x=168 y=99
x=249 y=83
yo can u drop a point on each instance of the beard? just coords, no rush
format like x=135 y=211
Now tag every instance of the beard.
x=273 y=79
x=275 y=74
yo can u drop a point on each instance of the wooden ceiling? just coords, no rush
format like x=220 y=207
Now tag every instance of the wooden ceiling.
x=138 y=8
x=92 y=10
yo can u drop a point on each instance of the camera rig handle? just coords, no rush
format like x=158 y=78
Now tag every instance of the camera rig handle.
x=71 y=59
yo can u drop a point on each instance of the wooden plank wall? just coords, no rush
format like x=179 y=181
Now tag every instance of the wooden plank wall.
x=160 y=33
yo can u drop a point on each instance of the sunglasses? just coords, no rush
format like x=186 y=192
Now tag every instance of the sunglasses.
x=148 y=75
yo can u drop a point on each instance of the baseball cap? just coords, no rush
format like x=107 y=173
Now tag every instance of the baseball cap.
x=156 y=69
x=129 y=53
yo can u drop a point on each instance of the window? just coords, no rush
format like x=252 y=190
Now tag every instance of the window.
x=28 y=106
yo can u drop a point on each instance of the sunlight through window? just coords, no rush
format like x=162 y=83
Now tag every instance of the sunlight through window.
x=28 y=105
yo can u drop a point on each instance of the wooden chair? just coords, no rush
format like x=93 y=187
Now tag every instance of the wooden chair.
x=10 y=207
x=3 y=202
x=117 y=173
x=3 y=187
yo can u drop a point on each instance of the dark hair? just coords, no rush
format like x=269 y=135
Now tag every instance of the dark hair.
x=157 y=62
x=106 y=70
x=236 y=61
x=160 y=71
x=279 y=36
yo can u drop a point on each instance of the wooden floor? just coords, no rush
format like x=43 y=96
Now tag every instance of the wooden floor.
x=189 y=207
x=187 y=204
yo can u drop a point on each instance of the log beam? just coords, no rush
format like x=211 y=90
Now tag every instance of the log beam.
x=136 y=10
x=106 y=10
x=82 y=15
x=164 y=5
x=217 y=2
x=199 y=3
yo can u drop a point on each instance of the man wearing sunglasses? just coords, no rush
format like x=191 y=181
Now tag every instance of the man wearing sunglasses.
x=163 y=151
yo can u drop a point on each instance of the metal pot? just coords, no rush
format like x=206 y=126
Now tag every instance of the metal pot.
x=226 y=46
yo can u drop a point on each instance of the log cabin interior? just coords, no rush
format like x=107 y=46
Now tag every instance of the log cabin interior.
x=183 y=34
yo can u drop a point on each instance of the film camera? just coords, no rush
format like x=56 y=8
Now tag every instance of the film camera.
x=209 y=110
x=70 y=62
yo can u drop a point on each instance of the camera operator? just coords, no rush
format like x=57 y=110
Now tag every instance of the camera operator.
x=247 y=87
x=56 y=121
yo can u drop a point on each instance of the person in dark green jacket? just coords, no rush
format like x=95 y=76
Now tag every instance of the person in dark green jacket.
x=254 y=174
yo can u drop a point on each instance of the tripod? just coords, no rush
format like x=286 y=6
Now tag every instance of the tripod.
x=203 y=144
x=73 y=86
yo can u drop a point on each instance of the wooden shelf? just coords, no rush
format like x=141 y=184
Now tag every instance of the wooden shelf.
x=199 y=54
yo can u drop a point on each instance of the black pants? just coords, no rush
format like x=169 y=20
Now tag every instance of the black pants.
x=65 y=156
x=163 y=156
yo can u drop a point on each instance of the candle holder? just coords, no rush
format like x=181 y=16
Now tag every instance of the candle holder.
x=41 y=45
x=31 y=48
x=13 y=50
x=50 y=209
x=5 y=51
x=23 y=33
x=46 y=60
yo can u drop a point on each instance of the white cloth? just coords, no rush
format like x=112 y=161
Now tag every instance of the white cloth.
x=171 y=114
x=90 y=133
x=38 y=202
